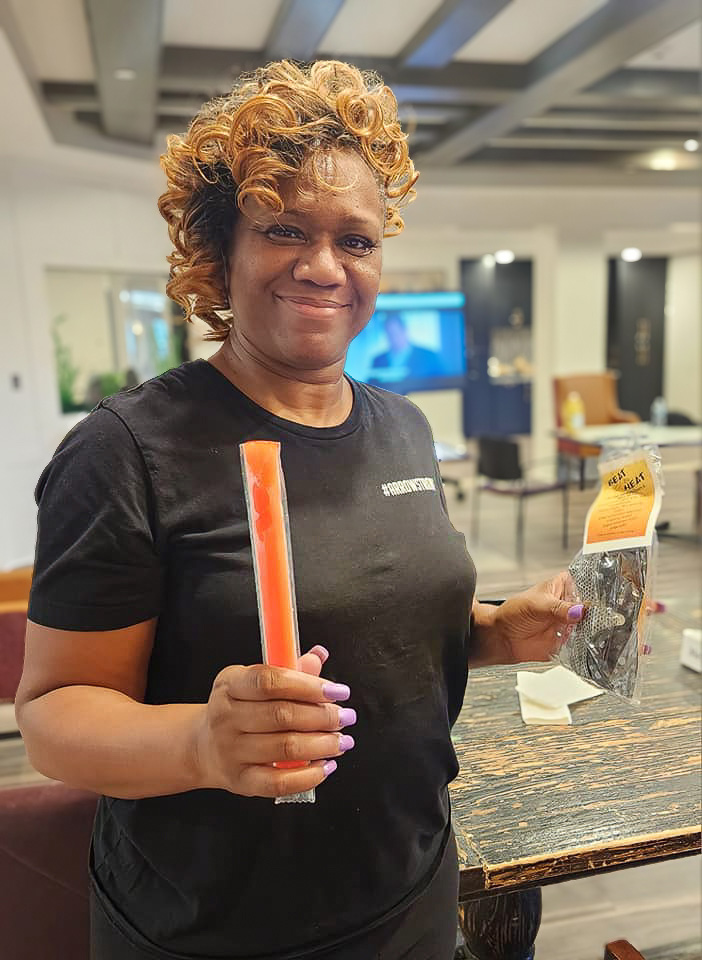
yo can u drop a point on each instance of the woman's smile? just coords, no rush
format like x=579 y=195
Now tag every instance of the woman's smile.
x=316 y=308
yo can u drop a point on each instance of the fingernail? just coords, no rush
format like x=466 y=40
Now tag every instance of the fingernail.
x=347 y=717
x=321 y=652
x=346 y=742
x=576 y=612
x=336 y=691
x=646 y=649
x=329 y=767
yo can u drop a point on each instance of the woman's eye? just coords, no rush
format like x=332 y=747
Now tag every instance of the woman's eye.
x=359 y=244
x=279 y=232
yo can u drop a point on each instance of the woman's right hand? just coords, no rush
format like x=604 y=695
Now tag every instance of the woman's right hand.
x=260 y=715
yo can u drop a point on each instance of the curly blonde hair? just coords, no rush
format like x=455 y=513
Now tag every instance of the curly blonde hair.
x=242 y=147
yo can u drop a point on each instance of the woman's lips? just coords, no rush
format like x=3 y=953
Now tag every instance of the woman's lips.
x=312 y=307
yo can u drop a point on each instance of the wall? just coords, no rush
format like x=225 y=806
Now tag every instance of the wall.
x=53 y=218
x=100 y=213
x=682 y=351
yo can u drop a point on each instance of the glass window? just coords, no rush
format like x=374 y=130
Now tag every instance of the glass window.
x=110 y=332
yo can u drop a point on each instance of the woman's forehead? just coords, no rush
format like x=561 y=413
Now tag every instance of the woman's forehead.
x=332 y=177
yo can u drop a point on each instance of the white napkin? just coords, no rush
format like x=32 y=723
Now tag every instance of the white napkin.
x=555 y=687
x=544 y=697
x=533 y=712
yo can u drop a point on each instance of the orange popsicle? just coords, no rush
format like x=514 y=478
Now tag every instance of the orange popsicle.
x=270 y=540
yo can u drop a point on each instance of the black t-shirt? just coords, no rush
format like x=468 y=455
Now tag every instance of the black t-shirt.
x=142 y=514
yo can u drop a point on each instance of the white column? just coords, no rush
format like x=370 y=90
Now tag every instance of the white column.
x=682 y=349
x=580 y=306
x=545 y=253
x=569 y=325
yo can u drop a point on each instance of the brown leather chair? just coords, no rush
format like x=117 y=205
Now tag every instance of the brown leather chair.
x=599 y=395
x=14 y=596
x=45 y=834
x=15 y=584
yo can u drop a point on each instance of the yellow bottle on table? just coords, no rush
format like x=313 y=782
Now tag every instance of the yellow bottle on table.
x=573 y=412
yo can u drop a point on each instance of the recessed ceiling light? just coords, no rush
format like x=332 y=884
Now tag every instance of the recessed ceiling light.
x=488 y=260
x=504 y=256
x=125 y=73
x=691 y=145
x=631 y=254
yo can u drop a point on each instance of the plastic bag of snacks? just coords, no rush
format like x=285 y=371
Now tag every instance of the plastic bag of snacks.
x=613 y=572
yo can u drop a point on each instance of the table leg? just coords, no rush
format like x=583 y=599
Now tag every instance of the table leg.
x=501 y=927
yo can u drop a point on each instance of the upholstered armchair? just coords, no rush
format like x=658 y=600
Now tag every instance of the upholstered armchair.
x=599 y=396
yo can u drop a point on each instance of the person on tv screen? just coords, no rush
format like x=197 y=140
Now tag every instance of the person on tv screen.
x=404 y=360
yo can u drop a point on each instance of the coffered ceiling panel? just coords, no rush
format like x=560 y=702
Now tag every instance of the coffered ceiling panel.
x=578 y=88
x=219 y=24
x=524 y=28
x=57 y=38
x=681 y=51
x=376 y=29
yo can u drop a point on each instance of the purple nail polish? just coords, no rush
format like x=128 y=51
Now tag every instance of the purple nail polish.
x=336 y=691
x=346 y=742
x=646 y=649
x=576 y=612
x=347 y=717
x=329 y=767
x=321 y=652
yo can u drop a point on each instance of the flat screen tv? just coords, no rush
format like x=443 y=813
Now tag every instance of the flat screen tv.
x=413 y=341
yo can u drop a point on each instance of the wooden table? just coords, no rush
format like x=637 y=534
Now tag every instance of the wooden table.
x=588 y=441
x=539 y=804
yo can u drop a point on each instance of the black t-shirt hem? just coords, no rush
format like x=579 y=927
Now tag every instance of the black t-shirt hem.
x=149 y=950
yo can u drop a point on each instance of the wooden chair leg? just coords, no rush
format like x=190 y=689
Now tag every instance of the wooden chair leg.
x=621 y=950
x=565 y=516
x=520 y=528
x=476 y=511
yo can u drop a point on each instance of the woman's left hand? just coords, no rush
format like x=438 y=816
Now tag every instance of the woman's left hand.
x=533 y=625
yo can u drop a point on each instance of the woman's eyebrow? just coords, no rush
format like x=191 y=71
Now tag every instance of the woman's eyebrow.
x=365 y=223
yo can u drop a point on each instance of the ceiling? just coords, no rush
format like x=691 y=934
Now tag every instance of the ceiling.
x=579 y=85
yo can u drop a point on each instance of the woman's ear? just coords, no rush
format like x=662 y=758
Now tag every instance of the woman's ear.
x=225 y=275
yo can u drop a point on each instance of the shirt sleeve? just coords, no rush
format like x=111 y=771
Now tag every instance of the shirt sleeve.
x=97 y=563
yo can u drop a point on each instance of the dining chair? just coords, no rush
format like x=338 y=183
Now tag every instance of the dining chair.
x=500 y=471
x=623 y=950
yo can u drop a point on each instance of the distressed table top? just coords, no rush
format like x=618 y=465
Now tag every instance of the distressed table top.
x=539 y=804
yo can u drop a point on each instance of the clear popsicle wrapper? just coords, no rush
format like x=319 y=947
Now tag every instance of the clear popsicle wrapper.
x=269 y=526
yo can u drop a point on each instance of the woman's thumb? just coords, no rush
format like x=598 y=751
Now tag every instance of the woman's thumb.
x=570 y=613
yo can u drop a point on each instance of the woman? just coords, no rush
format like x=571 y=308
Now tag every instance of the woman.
x=142 y=676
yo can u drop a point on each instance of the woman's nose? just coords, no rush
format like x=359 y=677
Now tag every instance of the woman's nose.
x=320 y=263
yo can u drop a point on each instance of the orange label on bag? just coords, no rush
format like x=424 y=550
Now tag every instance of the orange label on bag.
x=626 y=508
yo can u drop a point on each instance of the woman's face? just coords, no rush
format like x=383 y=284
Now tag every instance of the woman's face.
x=303 y=283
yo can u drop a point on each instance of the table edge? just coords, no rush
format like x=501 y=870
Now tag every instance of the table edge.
x=577 y=861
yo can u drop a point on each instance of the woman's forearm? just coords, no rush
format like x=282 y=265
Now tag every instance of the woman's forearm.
x=102 y=740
